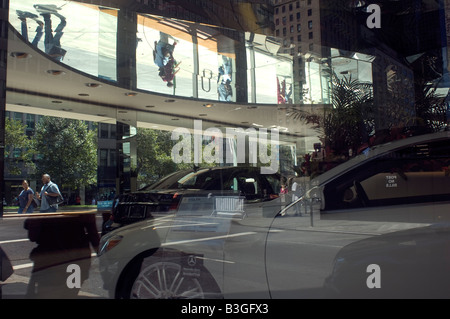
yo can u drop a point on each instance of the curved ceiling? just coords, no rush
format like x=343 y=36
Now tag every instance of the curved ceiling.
x=39 y=85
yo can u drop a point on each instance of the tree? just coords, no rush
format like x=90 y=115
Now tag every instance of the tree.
x=431 y=110
x=154 y=155
x=17 y=142
x=67 y=151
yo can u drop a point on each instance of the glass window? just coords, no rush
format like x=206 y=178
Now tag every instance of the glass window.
x=103 y=161
x=30 y=121
x=103 y=131
x=18 y=117
x=112 y=158
x=112 y=131
x=415 y=174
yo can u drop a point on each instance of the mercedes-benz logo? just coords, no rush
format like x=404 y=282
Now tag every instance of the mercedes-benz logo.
x=192 y=260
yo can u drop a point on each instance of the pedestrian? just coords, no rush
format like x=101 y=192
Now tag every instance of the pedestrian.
x=297 y=192
x=164 y=60
x=224 y=80
x=23 y=16
x=49 y=189
x=52 y=42
x=26 y=199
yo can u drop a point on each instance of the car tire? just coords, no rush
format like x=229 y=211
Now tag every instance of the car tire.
x=166 y=280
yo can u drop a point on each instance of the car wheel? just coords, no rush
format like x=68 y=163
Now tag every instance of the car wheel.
x=168 y=280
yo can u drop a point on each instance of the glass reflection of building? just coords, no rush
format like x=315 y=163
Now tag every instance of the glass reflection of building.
x=241 y=58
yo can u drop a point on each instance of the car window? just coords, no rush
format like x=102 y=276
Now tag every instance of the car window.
x=170 y=181
x=273 y=183
x=411 y=175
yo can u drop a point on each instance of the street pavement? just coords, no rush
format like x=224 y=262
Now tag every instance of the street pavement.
x=16 y=244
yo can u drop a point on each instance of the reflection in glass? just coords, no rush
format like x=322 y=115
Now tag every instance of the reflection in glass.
x=83 y=37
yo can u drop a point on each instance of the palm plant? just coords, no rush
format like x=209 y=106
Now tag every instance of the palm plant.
x=349 y=121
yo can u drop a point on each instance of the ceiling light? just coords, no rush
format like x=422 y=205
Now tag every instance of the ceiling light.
x=56 y=72
x=20 y=55
x=252 y=107
x=93 y=85
x=56 y=102
x=131 y=94
x=83 y=94
x=170 y=101
x=203 y=114
x=208 y=105
x=149 y=106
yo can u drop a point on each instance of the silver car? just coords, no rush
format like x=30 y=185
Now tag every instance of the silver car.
x=333 y=241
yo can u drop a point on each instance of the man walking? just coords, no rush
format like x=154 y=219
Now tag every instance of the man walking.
x=49 y=189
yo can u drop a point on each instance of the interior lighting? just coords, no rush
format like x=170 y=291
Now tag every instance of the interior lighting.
x=93 y=85
x=56 y=72
x=21 y=55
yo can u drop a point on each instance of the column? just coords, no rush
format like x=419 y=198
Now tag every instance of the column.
x=4 y=9
x=126 y=48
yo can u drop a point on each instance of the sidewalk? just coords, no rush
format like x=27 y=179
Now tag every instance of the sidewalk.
x=61 y=211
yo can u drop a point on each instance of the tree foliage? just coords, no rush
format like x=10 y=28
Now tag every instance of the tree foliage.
x=154 y=155
x=67 y=151
x=431 y=110
x=17 y=142
x=348 y=123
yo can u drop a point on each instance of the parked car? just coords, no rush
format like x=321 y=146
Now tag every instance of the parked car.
x=385 y=204
x=164 y=197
